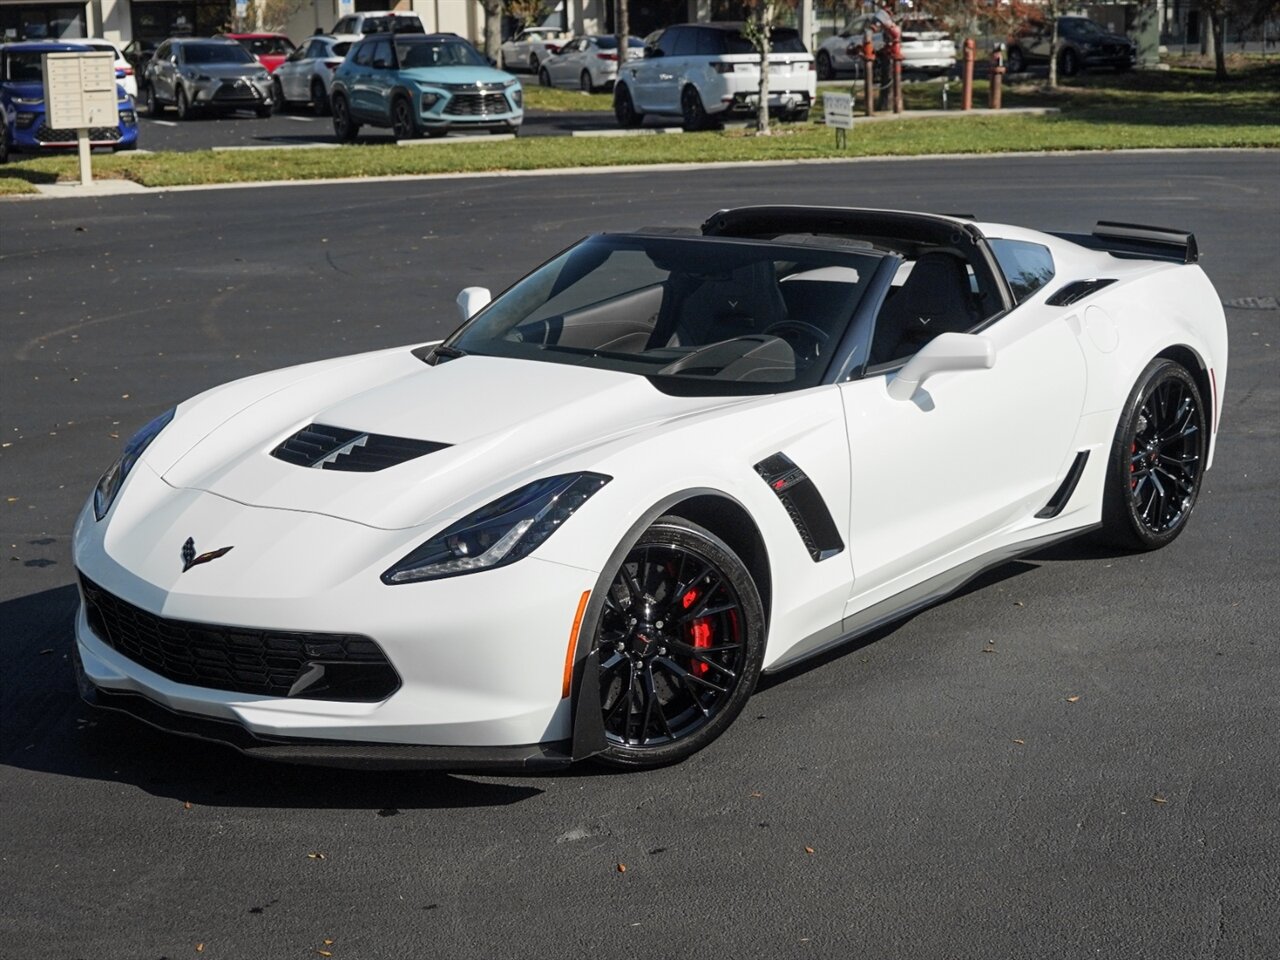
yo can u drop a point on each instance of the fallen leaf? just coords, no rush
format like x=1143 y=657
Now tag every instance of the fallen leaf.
x=316 y=855
x=808 y=849
x=324 y=953
x=1073 y=698
x=186 y=805
x=1158 y=799
x=46 y=651
x=328 y=943
x=199 y=948
x=756 y=794
x=1019 y=742
x=622 y=868
x=1018 y=603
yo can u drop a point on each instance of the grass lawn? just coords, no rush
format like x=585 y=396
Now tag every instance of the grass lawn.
x=1179 y=108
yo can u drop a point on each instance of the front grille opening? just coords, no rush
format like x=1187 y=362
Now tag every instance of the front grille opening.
x=272 y=663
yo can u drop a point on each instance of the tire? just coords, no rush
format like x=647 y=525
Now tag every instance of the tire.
x=1017 y=61
x=799 y=116
x=277 y=97
x=154 y=108
x=183 y=106
x=533 y=64
x=544 y=78
x=624 y=110
x=4 y=141
x=319 y=99
x=693 y=113
x=403 y=122
x=1069 y=63
x=680 y=644
x=585 y=84
x=825 y=69
x=344 y=127
x=1157 y=459
x=264 y=112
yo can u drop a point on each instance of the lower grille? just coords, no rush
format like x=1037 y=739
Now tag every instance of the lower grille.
x=47 y=134
x=230 y=90
x=273 y=663
x=477 y=104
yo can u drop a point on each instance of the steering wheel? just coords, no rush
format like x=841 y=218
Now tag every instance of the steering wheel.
x=807 y=340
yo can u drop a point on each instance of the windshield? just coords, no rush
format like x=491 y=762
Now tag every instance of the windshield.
x=737 y=316
x=25 y=67
x=215 y=53
x=1082 y=28
x=392 y=24
x=445 y=54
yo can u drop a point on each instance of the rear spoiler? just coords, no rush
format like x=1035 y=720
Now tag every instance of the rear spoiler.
x=1134 y=241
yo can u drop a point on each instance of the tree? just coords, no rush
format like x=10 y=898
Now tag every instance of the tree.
x=493 y=10
x=1246 y=12
x=760 y=19
x=622 y=23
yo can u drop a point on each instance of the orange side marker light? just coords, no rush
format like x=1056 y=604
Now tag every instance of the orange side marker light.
x=573 y=644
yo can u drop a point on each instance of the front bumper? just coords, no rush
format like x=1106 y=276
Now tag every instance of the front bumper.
x=232 y=94
x=489 y=108
x=481 y=657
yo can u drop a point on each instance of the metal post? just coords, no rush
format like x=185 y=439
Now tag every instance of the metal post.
x=86 y=169
x=970 y=46
x=869 y=72
x=997 y=75
x=895 y=55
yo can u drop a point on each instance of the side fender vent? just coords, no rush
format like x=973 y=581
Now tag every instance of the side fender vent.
x=1076 y=291
x=1065 y=489
x=336 y=448
x=804 y=505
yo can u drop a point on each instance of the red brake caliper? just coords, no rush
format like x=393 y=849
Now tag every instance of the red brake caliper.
x=1133 y=448
x=699 y=633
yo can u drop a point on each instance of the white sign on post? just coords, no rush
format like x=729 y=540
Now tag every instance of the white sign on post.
x=80 y=93
x=837 y=110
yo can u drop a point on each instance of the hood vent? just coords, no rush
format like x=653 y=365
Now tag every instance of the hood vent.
x=335 y=448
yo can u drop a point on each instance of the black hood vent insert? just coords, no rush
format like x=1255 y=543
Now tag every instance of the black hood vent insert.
x=336 y=448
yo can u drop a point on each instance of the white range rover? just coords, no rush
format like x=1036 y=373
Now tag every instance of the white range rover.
x=705 y=72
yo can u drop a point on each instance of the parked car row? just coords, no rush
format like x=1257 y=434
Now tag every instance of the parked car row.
x=588 y=62
x=927 y=47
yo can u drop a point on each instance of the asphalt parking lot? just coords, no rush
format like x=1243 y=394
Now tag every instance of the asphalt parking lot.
x=912 y=797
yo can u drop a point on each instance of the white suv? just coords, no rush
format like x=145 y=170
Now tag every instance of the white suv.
x=355 y=25
x=704 y=72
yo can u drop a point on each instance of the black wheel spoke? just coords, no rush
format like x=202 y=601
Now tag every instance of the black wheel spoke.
x=685 y=674
x=704 y=611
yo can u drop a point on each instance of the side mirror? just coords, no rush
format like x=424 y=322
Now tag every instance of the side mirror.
x=472 y=300
x=380 y=64
x=651 y=53
x=945 y=352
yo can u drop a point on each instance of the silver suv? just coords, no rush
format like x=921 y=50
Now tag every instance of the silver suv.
x=196 y=74
x=704 y=72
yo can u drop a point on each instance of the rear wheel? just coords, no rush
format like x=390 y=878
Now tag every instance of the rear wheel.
x=344 y=127
x=624 y=111
x=1157 y=459
x=319 y=99
x=585 y=83
x=4 y=140
x=1069 y=63
x=692 y=110
x=680 y=643
x=403 y=123
x=544 y=78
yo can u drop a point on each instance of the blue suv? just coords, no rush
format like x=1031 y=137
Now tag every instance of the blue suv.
x=22 y=112
x=416 y=84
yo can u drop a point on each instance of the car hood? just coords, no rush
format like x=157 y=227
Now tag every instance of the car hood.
x=504 y=421
x=456 y=75
x=26 y=89
x=227 y=71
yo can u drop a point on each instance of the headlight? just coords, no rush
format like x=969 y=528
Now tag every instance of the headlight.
x=429 y=100
x=499 y=533
x=517 y=97
x=105 y=493
x=25 y=102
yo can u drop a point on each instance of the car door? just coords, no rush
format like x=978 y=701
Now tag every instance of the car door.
x=972 y=453
x=654 y=72
x=382 y=77
x=571 y=61
x=358 y=78
x=288 y=72
x=161 y=71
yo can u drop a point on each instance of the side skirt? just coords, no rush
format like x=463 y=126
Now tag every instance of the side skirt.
x=916 y=598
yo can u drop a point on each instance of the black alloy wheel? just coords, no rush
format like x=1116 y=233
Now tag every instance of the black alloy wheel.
x=4 y=140
x=544 y=78
x=680 y=643
x=1157 y=459
x=1017 y=62
x=624 y=110
x=585 y=83
x=691 y=109
x=277 y=96
x=533 y=63
x=183 y=105
x=1069 y=63
x=403 y=123
x=344 y=128
x=154 y=109
x=825 y=70
x=319 y=99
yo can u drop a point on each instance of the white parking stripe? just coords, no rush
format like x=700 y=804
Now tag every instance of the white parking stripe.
x=301 y=119
x=162 y=123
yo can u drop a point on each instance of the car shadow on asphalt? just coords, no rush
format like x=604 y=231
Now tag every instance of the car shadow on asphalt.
x=46 y=728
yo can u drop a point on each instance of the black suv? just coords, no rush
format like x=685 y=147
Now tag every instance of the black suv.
x=1081 y=43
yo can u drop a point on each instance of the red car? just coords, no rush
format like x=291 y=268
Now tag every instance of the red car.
x=270 y=49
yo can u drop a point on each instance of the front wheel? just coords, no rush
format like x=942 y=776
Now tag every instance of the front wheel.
x=154 y=109
x=403 y=123
x=1157 y=459
x=680 y=644
x=277 y=97
x=183 y=105
x=4 y=141
x=624 y=110
x=319 y=99
x=344 y=127
x=584 y=82
x=544 y=78
x=1017 y=61
x=1069 y=63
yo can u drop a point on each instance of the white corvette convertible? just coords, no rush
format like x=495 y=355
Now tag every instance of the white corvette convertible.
x=660 y=464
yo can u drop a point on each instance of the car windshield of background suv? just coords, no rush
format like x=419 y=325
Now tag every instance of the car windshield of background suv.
x=216 y=53
x=413 y=55
x=25 y=67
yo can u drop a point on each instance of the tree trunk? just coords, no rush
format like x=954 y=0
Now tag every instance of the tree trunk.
x=1218 y=23
x=492 y=28
x=1053 y=55
x=763 y=43
x=622 y=23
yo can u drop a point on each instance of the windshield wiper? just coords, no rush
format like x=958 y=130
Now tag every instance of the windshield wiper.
x=441 y=353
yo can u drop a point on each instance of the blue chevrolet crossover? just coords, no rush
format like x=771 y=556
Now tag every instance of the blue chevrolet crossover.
x=23 y=126
x=416 y=84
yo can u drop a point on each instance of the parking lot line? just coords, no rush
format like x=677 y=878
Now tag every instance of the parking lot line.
x=471 y=138
x=279 y=146
x=288 y=116
x=162 y=123
x=641 y=132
